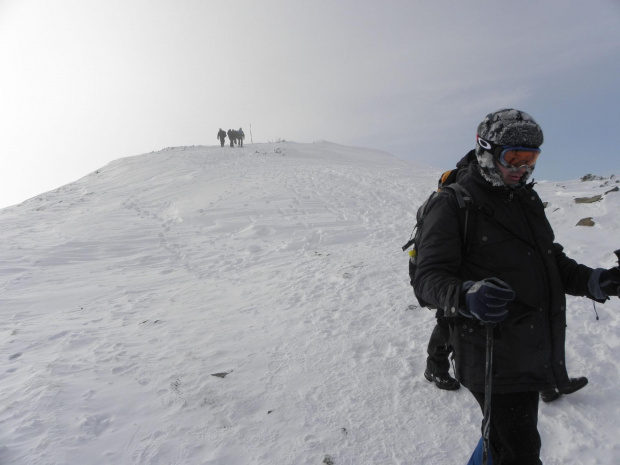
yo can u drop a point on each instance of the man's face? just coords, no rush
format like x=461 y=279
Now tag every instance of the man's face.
x=511 y=177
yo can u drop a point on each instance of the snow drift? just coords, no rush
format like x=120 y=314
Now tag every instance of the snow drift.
x=235 y=306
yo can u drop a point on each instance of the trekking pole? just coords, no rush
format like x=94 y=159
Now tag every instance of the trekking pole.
x=488 y=390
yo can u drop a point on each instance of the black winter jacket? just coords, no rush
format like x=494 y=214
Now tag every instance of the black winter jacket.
x=513 y=241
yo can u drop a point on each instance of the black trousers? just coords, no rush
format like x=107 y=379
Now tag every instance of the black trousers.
x=439 y=348
x=513 y=437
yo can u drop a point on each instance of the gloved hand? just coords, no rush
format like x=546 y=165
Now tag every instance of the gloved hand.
x=609 y=282
x=487 y=300
x=605 y=283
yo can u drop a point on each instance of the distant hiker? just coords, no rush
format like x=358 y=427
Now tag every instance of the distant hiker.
x=505 y=295
x=231 y=137
x=240 y=137
x=221 y=135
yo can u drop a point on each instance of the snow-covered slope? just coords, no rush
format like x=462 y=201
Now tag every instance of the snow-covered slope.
x=277 y=268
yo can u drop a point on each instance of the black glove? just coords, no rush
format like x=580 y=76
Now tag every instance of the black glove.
x=605 y=283
x=487 y=300
x=609 y=282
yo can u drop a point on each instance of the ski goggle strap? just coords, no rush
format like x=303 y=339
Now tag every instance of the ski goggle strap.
x=511 y=156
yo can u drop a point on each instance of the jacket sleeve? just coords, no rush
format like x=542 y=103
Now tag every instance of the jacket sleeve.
x=439 y=256
x=574 y=276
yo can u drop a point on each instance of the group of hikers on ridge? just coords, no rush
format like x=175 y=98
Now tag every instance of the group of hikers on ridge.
x=233 y=136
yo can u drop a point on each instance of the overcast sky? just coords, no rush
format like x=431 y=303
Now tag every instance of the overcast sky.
x=84 y=82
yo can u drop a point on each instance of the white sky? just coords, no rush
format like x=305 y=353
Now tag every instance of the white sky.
x=85 y=82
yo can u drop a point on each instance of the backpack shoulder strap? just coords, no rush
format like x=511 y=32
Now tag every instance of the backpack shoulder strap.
x=466 y=204
x=462 y=195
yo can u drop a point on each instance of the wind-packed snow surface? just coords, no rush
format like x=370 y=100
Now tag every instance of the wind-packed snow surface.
x=238 y=306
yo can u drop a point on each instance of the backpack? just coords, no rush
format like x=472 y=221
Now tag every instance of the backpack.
x=446 y=183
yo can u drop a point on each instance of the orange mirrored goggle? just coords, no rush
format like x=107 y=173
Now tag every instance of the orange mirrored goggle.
x=517 y=157
x=511 y=157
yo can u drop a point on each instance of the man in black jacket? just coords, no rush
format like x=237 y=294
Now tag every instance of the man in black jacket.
x=221 y=135
x=513 y=276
